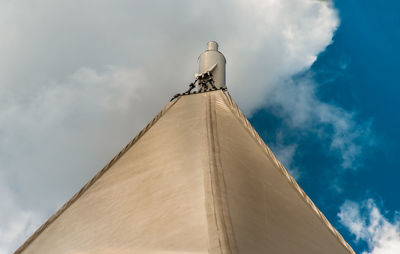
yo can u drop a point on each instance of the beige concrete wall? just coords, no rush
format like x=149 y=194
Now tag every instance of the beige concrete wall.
x=265 y=207
x=151 y=201
x=199 y=180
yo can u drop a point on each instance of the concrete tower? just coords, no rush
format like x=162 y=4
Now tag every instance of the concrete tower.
x=197 y=179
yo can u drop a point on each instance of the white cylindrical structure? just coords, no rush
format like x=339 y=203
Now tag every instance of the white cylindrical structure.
x=214 y=61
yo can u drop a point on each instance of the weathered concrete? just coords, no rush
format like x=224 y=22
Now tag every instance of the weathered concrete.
x=198 y=179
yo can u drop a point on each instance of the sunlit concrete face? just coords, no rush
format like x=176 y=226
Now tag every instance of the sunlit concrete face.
x=200 y=180
x=150 y=201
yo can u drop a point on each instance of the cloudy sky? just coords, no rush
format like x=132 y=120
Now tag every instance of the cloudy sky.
x=317 y=79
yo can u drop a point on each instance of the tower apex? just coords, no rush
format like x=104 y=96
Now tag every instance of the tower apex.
x=211 y=60
x=212 y=45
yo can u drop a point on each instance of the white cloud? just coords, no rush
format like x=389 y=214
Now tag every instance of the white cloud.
x=367 y=223
x=296 y=102
x=80 y=78
x=16 y=223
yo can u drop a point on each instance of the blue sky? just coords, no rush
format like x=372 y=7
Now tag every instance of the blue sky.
x=318 y=80
x=358 y=72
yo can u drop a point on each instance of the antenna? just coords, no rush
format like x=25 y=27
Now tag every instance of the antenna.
x=213 y=61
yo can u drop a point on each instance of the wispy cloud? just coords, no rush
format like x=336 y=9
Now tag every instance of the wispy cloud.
x=286 y=153
x=295 y=100
x=367 y=223
x=16 y=222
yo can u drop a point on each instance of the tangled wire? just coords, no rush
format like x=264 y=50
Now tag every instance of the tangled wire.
x=205 y=83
